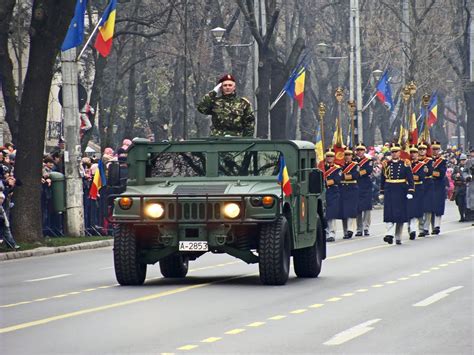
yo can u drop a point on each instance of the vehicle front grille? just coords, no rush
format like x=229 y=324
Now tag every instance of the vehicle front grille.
x=200 y=189
x=194 y=211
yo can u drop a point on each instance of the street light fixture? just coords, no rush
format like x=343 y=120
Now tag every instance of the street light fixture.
x=218 y=34
x=377 y=74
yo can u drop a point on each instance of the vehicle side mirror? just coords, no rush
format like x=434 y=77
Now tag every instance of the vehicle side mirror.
x=315 y=181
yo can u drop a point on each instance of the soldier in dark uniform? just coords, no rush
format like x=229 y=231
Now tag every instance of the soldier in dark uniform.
x=460 y=177
x=439 y=187
x=332 y=177
x=415 y=205
x=397 y=187
x=349 y=193
x=364 y=183
x=231 y=115
x=428 y=190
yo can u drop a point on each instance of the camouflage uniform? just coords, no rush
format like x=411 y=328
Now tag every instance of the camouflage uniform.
x=231 y=115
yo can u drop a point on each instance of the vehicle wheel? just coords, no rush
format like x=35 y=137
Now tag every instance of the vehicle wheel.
x=128 y=269
x=308 y=261
x=174 y=266
x=274 y=252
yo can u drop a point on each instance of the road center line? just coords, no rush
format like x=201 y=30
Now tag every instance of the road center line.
x=351 y=333
x=48 y=278
x=437 y=297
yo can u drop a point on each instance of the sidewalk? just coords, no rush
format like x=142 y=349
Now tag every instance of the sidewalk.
x=53 y=250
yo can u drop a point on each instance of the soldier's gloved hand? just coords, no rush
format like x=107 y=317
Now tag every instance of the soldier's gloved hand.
x=218 y=89
x=409 y=196
x=381 y=197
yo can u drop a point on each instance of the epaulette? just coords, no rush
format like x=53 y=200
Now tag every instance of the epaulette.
x=384 y=163
x=246 y=100
x=337 y=166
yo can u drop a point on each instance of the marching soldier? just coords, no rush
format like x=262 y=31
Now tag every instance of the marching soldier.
x=332 y=177
x=397 y=187
x=439 y=187
x=365 y=190
x=428 y=190
x=349 y=193
x=415 y=205
x=231 y=115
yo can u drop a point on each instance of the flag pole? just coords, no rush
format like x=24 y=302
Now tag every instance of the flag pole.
x=89 y=39
x=368 y=103
x=280 y=95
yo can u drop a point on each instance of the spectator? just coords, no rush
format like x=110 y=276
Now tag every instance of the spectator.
x=5 y=231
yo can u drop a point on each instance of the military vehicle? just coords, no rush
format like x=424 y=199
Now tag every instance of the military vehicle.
x=219 y=195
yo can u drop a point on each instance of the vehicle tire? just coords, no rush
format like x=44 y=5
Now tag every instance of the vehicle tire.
x=128 y=270
x=274 y=252
x=175 y=266
x=308 y=261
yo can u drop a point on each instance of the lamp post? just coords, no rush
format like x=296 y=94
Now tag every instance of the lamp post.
x=352 y=108
x=322 y=112
x=185 y=73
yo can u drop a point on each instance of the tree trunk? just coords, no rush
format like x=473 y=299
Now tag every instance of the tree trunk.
x=469 y=101
x=48 y=27
x=131 y=99
x=263 y=91
x=6 y=69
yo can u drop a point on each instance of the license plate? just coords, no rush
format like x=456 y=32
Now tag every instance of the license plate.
x=193 y=246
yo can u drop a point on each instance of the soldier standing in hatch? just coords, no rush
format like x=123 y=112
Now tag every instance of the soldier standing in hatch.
x=231 y=115
x=397 y=187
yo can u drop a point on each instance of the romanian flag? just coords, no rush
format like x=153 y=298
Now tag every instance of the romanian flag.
x=103 y=42
x=384 y=91
x=318 y=147
x=98 y=181
x=433 y=110
x=284 y=178
x=294 y=87
x=413 y=130
x=338 y=143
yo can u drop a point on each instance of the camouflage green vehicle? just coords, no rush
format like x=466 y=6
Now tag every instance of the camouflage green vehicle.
x=219 y=195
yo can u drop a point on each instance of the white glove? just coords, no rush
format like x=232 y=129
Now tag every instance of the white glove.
x=409 y=196
x=218 y=88
x=381 y=197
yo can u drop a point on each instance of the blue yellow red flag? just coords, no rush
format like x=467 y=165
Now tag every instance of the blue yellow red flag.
x=98 y=181
x=294 y=87
x=103 y=42
x=284 y=178
x=384 y=91
x=75 y=32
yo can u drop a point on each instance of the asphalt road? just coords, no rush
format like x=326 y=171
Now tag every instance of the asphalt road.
x=369 y=298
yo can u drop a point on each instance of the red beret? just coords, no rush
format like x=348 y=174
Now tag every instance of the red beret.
x=227 y=77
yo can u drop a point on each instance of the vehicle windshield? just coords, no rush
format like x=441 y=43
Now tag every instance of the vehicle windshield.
x=186 y=164
x=238 y=163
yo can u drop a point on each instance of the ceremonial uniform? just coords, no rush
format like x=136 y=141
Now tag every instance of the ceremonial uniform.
x=366 y=165
x=231 y=115
x=349 y=196
x=439 y=189
x=425 y=220
x=332 y=178
x=397 y=187
x=415 y=205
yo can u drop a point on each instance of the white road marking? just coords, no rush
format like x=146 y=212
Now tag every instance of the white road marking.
x=352 y=333
x=106 y=268
x=48 y=278
x=436 y=297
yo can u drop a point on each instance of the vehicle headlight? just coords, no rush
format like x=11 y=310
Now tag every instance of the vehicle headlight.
x=125 y=203
x=231 y=210
x=154 y=210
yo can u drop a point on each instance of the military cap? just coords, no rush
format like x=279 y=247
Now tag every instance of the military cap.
x=423 y=145
x=348 y=150
x=413 y=148
x=226 y=77
x=436 y=145
x=330 y=152
x=361 y=146
x=395 y=147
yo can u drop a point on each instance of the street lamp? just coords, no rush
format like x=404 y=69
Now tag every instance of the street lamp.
x=377 y=74
x=218 y=34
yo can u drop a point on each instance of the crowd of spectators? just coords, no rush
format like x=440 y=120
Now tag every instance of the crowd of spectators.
x=7 y=186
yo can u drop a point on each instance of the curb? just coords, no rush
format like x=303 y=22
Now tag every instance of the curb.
x=53 y=250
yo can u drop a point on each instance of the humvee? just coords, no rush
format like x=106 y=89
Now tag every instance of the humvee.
x=219 y=195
